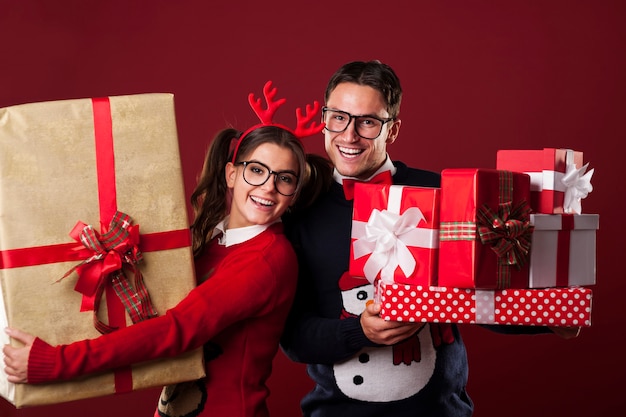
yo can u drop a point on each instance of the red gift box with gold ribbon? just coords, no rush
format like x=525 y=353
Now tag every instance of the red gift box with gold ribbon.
x=93 y=207
x=485 y=229
x=395 y=233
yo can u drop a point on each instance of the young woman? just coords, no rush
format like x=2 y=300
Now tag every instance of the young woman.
x=246 y=271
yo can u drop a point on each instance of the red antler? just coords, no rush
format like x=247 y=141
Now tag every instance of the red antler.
x=301 y=128
x=266 y=115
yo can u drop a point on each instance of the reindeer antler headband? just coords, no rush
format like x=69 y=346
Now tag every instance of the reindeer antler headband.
x=305 y=126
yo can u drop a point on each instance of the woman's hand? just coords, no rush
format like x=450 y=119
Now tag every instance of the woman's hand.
x=16 y=358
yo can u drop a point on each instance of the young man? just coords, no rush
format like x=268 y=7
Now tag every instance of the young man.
x=362 y=365
x=349 y=348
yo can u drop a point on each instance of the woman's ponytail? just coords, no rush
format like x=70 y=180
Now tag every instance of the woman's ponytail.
x=209 y=199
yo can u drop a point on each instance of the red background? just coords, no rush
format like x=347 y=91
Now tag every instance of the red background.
x=478 y=76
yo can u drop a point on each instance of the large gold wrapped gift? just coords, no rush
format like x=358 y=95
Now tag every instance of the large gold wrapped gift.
x=74 y=166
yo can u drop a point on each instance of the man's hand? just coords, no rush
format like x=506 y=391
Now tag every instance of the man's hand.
x=566 y=332
x=385 y=332
x=16 y=358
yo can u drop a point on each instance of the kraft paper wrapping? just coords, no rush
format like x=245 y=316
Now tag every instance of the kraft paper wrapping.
x=48 y=182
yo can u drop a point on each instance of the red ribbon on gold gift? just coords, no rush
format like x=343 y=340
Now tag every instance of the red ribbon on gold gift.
x=112 y=253
x=107 y=196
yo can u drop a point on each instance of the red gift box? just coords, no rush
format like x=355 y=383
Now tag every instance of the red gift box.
x=395 y=233
x=485 y=229
x=560 y=307
x=563 y=250
x=558 y=181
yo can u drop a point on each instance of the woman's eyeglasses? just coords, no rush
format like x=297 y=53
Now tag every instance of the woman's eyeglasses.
x=256 y=173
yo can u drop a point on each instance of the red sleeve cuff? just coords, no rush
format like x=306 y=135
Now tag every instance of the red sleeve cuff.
x=41 y=362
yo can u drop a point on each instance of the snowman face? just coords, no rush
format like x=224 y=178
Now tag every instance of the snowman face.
x=366 y=375
x=354 y=299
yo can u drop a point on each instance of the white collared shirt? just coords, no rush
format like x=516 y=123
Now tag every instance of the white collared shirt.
x=387 y=166
x=238 y=235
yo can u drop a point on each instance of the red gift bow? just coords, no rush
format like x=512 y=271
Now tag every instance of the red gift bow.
x=116 y=250
x=508 y=233
x=348 y=183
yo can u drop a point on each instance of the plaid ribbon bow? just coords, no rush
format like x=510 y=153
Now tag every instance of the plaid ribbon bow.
x=116 y=250
x=508 y=233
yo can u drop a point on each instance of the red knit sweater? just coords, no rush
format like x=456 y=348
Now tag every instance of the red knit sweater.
x=241 y=307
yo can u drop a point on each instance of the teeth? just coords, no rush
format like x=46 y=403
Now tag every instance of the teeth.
x=262 y=201
x=350 y=151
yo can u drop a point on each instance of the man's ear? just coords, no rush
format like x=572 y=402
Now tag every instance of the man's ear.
x=394 y=130
x=230 y=172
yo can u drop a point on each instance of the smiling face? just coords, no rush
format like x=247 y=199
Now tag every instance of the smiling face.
x=259 y=204
x=352 y=155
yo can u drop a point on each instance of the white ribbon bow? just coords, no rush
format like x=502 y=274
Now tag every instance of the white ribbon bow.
x=577 y=186
x=386 y=236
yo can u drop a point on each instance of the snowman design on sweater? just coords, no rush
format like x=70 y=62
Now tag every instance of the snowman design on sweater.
x=410 y=364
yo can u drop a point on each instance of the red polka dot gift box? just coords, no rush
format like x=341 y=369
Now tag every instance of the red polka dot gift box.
x=560 y=307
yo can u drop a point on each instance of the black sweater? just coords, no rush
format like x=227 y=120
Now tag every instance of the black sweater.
x=353 y=376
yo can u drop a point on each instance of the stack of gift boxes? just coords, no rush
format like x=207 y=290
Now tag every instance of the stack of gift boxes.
x=492 y=246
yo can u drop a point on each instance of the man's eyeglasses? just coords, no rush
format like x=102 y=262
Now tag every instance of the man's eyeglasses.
x=256 y=173
x=367 y=127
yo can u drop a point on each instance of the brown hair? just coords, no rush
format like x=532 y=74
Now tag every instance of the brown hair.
x=374 y=74
x=209 y=199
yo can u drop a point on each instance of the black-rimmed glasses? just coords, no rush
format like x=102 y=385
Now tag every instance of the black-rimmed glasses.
x=257 y=173
x=366 y=126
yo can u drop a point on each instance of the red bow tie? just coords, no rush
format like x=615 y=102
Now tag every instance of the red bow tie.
x=348 y=183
